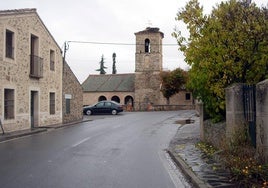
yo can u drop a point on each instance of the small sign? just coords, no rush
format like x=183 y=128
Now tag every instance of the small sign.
x=68 y=96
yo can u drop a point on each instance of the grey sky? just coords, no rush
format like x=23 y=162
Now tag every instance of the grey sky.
x=109 y=21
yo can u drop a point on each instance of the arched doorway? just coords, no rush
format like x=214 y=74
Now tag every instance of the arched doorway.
x=129 y=103
x=129 y=99
x=102 y=98
x=116 y=99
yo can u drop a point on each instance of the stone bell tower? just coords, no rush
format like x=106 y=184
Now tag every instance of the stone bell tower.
x=148 y=64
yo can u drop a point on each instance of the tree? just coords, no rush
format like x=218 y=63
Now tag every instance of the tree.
x=225 y=47
x=114 y=67
x=102 y=67
x=172 y=82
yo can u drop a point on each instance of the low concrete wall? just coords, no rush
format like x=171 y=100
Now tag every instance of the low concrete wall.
x=235 y=119
x=172 y=107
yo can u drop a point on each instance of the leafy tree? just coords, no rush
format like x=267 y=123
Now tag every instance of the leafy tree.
x=114 y=67
x=102 y=67
x=225 y=47
x=172 y=82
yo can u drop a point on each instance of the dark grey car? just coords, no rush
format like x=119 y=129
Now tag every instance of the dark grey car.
x=103 y=107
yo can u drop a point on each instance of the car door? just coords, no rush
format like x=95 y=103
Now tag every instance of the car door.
x=108 y=107
x=99 y=108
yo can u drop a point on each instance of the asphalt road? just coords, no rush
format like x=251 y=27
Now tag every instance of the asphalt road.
x=122 y=151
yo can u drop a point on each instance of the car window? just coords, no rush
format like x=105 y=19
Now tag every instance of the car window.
x=99 y=105
x=108 y=104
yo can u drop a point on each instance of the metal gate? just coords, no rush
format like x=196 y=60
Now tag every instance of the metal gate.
x=249 y=100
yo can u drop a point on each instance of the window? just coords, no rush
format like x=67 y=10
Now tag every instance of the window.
x=147 y=46
x=108 y=104
x=9 y=44
x=52 y=60
x=9 y=104
x=36 y=62
x=52 y=103
x=100 y=105
x=68 y=106
x=188 y=96
x=102 y=98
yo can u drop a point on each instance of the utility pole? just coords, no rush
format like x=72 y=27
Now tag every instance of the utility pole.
x=66 y=47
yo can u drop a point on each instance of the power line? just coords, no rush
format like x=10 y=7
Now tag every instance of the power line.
x=115 y=43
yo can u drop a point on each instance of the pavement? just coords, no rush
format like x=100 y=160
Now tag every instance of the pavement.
x=200 y=170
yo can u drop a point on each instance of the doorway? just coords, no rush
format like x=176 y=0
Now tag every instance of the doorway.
x=34 y=109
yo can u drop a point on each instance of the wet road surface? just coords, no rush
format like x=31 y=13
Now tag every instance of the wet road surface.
x=122 y=151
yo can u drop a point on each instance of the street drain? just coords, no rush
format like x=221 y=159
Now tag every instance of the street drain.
x=184 y=121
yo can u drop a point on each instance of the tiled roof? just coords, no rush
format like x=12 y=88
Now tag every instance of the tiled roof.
x=109 y=82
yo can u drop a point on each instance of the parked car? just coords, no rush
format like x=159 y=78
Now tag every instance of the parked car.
x=103 y=107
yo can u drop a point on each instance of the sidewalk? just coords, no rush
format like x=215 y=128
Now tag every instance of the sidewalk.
x=17 y=134
x=200 y=170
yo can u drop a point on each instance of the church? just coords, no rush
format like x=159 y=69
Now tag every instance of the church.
x=141 y=90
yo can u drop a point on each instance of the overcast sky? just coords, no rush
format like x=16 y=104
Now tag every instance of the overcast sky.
x=109 y=21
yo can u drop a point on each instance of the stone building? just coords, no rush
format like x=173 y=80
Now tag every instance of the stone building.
x=31 y=72
x=143 y=87
x=72 y=96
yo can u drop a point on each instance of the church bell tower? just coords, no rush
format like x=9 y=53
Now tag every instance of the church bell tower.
x=148 y=64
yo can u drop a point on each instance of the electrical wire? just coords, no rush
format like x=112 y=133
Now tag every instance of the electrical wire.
x=115 y=43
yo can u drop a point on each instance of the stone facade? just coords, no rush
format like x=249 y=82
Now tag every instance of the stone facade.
x=148 y=64
x=30 y=72
x=72 y=95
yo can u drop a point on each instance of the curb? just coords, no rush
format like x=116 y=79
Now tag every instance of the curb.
x=10 y=136
x=6 y=136
x=187 y=171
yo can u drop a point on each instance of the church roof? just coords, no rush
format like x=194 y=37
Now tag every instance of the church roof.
x=109 y=83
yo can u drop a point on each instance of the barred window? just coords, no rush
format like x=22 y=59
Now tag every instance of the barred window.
x=9 y=104
x=68 y=106
x=52 y=103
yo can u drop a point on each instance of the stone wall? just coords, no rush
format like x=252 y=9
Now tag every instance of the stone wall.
x=72 y=91
x=14 y=72
x=147 y=89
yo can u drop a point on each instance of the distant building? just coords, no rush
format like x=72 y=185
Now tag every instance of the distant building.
x=31 y=73
x=141 y=90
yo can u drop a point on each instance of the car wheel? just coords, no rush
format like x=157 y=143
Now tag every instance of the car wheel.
x=88 y=112
x=114 y=112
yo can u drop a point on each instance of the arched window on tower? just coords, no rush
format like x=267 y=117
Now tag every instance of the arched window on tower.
x=147 y=46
